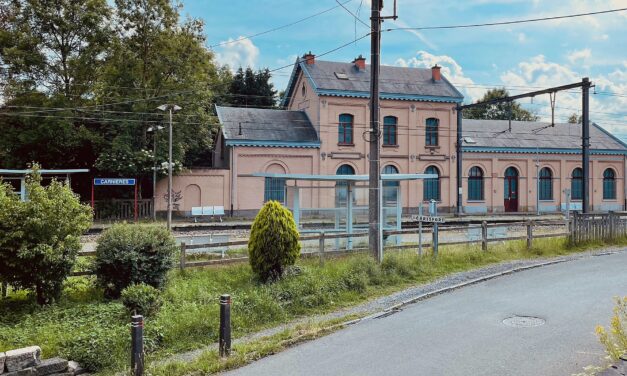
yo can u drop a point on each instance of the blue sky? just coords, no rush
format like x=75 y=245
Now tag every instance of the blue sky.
x=519 y=57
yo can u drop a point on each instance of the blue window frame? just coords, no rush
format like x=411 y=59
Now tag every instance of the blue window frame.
x=609 y=184
x=390 y=130
x=576 y=184
x=345 y=130
x=341 y=190
x=390 y=188
x=431 y=187
x=274 y=190
x=475 y=184
x=546 y=184
x=431 y=134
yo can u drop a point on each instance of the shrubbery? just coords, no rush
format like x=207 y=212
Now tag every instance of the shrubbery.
x=273 y=243
x=40 y=238
x=133 y=254
x=142 y=299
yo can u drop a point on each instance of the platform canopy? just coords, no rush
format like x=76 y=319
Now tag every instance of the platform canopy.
x=43 y=172
x=384 y=177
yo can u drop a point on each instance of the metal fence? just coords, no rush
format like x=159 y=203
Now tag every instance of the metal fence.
x=121 y=209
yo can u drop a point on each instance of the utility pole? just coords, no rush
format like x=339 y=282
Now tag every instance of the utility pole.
x=375 y=235
x=170 y=108
x=585 y=147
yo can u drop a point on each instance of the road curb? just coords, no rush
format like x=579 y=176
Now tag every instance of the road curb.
x=397 y=307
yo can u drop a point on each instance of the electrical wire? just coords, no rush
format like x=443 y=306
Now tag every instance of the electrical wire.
x=509 y=22
x=280 y=27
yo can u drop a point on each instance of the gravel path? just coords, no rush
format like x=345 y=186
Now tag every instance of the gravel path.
x=371 y=308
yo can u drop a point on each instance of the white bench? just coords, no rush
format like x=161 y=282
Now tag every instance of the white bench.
x=207 y=211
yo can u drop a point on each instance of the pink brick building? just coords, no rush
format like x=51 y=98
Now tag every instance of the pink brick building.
x=322 y=131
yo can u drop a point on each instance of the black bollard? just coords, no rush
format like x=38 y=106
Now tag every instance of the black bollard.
x=137 y=345
x=225 y=325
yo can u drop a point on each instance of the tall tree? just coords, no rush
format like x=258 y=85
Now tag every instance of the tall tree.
x=499 y=111
x=251 y=89
x=575 y=119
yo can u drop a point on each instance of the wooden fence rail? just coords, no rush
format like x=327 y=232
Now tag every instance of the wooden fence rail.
x=598 y=227
x=426 y=233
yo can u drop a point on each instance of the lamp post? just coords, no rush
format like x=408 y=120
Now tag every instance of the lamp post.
x=170 y=108
x=154 y=169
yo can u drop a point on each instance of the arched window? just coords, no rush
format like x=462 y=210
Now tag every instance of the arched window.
x=431 y=187
x=390 y=187
x=609 y=184
x=274 y=188
x=341 y=189
x=345 y=130
x=475 y=184
x=546 y=184
x=389 y=130
x=432 y=132
x=576 y=184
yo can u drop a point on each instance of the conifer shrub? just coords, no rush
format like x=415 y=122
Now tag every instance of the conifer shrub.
x=130 y=254
x=273 y=244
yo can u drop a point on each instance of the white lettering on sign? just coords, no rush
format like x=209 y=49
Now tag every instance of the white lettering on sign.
x=114 y=181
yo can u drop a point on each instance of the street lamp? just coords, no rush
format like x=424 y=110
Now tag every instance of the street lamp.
x=170 y=108
x=154 y=169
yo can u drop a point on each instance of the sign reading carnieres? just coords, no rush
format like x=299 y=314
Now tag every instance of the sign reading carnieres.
x=114 y=181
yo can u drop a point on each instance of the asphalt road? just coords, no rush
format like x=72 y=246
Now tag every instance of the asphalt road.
x=462 y=332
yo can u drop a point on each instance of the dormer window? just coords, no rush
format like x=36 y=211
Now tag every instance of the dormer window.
x=341 y=76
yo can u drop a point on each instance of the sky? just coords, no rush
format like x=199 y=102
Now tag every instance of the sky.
x=522 y=58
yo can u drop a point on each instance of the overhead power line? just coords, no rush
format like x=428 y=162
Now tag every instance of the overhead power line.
x=280 y=27
x=509 y=22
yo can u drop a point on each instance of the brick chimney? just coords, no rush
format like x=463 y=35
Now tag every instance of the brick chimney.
x=310 y=59
x=360 y=63
x=435 y=73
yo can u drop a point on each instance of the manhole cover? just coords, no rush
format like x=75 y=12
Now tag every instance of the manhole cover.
x=523 y=321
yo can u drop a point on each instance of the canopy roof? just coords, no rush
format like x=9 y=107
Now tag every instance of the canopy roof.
x=43 y=172
x=387 y=177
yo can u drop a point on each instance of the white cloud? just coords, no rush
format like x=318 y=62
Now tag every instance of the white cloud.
x=576 y=55
x=450 y=69
x=606 y=110
x=522 y=38
x=241 y=53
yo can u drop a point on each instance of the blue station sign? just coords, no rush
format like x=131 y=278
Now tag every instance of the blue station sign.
x=114 y=181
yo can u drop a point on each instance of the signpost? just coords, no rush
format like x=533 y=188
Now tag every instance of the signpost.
x=116 y=182
x=431 y=218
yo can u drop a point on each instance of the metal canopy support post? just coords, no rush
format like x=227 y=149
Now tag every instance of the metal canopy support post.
x=374 y=203
x=349 y=215
x=585 y=145
x=296 y=208
x=399 y=212
x=23 y=189
x=460 y=141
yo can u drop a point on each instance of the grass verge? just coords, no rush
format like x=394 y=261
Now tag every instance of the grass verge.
x=95 y=332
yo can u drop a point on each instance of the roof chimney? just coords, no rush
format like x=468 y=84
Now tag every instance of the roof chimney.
x=360 y=63
x=435 y=73
x=310 y=59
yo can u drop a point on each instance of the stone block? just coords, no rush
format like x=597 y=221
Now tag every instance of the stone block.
x=75 y=369
x=50 y=366
x=22 y=358
x=23 y=372
x=2 y=357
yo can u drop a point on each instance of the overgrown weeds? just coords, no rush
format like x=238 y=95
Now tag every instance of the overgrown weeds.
x=188 y=318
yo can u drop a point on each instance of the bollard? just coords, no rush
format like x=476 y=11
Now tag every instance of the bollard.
x=183 y=260
x=137 y=345
x=225 y=325
x=529 y=234
x=484 y=236
x=435 y=240
x=321 y=248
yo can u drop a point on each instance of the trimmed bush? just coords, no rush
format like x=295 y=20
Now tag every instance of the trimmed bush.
x=132 y=254
x=142 y=299
x=273 y=244
x=40 y=237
